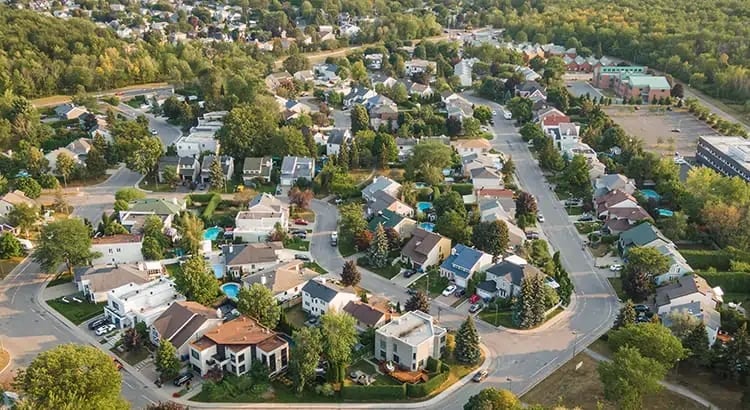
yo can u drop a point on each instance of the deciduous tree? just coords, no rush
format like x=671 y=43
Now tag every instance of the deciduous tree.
x=352 y=219
x=166 y=360
x=300 y=198
x=652 y=340
x=259 y=303
x=630 y=376
x=29 y=186
x=24 y=217
x=64 y=166
x=491 y=237
x=493 y=399
x=64 y=241
x=418 y=301
x=526 y=209
x=196 y=280
x=306 y=352
x=339 y=337
x=455 y=226
x=642 y=265
x=10 y=246
x=191 y=232
x=483 y=114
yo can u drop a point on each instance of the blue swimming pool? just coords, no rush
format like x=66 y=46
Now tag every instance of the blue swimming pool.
x=424 y=206
x=231 y=290
x=218 y=270
x=212 y=233
x=650 y=194
x=665 y=212
x=427 y=226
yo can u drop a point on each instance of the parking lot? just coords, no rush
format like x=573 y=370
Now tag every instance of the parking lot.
x=658 y=128
x=578 y=88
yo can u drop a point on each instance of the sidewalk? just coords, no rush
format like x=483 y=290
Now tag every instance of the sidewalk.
x=682 y=391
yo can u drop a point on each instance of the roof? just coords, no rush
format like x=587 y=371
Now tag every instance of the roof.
x=707 y=314
x=297 y=167
x=655 y=82
x=364 y=313
x=224 y=160
x=512 y=272
x=157 y=206
x=685 y=285
x=17 y=197
x=119 y=238
x=641 y=235
x=283 y=277
x=420 y=245
x=555 y=120
x=462 y=260
x=338 y=136
x=257 y=164
x=475 y=143
x=181 y=320
x=243 y=254
x=263 y=205
x=485 y=172
x=241 y=331
x=613 y=198
x=380 y=183
x=318 y=290
x=487 y=285
x=388 y=218
x=495 y=193
x=413 y=328
x=106 y=278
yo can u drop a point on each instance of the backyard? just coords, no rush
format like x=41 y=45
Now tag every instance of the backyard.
x=74 y=311
x=295 y=316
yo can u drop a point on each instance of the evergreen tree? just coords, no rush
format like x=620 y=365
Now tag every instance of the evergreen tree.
x=167 y=363
x=529 y=308
x=344 y=157
x=697 y=343
x=563 y=279
x=736 y=354
x=216 y=174
x=360 y=119
x=350 y=275
x=377 y=254
x=467 y=343
x=417 y=301
x=626 y=316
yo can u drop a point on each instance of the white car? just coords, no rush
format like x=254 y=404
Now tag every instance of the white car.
x=540 y=217
x=507 y=115
x=105 y=329
x=449 y=290
x=153 y=131
x=615 y=268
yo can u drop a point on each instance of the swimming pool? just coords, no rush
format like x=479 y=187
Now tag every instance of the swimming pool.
x=650 y=194
x=665 y=212
x=424 y=206
x=212 y=233
x=231 y=290
x=218 y=270
x=427 y=226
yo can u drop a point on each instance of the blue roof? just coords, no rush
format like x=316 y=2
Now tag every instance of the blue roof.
x=462 y=260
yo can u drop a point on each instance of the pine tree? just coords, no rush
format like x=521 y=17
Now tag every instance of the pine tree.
x=344 y=157
x=529 y=308
x=216 y=174
x=378 y=252
x=467 y=343
x=697 y=342
x=626 y=316
x=417 y=301
x=354 y=154
x=350 y=275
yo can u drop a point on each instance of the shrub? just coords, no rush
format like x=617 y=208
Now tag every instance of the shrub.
x=211 y=206
x=426 y=388
x=703 y=259
x=384 y=393
x=729 y=281
x=201 y=198
x=324 y=390
x=433 y=365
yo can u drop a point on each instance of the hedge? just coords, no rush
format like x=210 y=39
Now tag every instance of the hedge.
x=433 y=365
x=463 y=189
x=426 y=388
x=700 y=259
x=734 y=282
x=202 y=198
x=397 y=392
x=211 y=206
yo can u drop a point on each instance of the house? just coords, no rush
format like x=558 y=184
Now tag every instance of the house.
x=96 y=282
x=374 y=61
x=486 y=177
x=326 y=74
x=462 y=263
x=420 y=90
x=52 y=156
x=610 y=182
x=304 y=76
x=405 y=147
x=358 y=95
x=117 y=249
x=256 y=169
x=531 y=90
x=285 y=281
x=458 y=107
x=133 y=303
x=687 y=289
x=234 y=346
x=318 y=297
x=385 y=201
x=609 y=77
x=275 y=80
x=706 y=314
x=645 y=234
x=645 y=88
x=409 y=340
x=183 y=323
x=260 y=218
x=471 y=146
x=620 y=220
x=613 y=200
x=166 y=209
x=728 y=156
x=404 y=226
x=227 y=167
x=378 y=184
x=383 y=111
x=243 y=258
x=463 y=70
x=11 y=199
x=470 y=162
x=367 y=316
x=196 y=143
x=69 y=111
x=551 y=112
x=416 y=66
x=294 y=168
x=678 y=265
x=337 y=137
x=507 y=276
x=186 y=167
x=491 y=210
x=426 y=249
x=382 y=79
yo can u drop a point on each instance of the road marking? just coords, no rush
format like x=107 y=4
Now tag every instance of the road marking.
x=149 y=400
x=128 y=384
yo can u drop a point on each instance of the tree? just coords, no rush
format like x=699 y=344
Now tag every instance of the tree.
x=339 y=337
x=247 y=128
x=377 y=254
x=196 y=281
x=64 y=241
x=630 y=376
x=29 y=187
x=295 y=63
x=483 y=114
x=450 y=201
x=529 y=308
x=151 y=249
x=493 y=399
x=642 y=265
x=408 y=193
x=64 y=166
x=129 y=194
x=491 y=237
x=576 y=177
x=735 y=355
x=431 y=154
x=550 y=158
x=10 y=246
x=626 y=316
x=191 y=232
x=677 y=91
x=520 y=109
x=350 y=275
x=652 y=340
x=363 y=239
x=132 y=339
x=142 y=154
x=352 y=219
x=360 y=119
x=165 y=405
x=359 y=72
x=166 y=360
x=509 y=168
x=216 y=174
x=418 y=301
x=682 y=322
x=24 y=217
x=259 y=303
x=55 y=380
x=467 y=343
x=169 y=175
x=455 y=226
x=300 y=198
x=394 y=239
x=526 y=209
x=696 y=343
x=306 y=352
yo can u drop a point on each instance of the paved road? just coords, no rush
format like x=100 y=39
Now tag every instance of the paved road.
x=167 y=132
x=342 y=119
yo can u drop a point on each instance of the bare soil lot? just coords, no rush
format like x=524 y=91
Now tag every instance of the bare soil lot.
x=657 y=127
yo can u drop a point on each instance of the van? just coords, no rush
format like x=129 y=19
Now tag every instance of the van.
x=334 y=238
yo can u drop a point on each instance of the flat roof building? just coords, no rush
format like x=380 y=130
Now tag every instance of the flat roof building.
x=727 y=155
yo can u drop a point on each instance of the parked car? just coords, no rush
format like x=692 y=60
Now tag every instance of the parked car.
x=641 y=308
x=312 y=322
x=297 y=231
x=96 y=323
x=153 y=131
x=338 y=201
x=573 y=202
x=182 y=379
x=300 y=235
x=615 y=268
x=480 y=375
x=586 y=218
x=460 y=292
x=540 y=217
x=449 y=290
x=103 y=330
x=302 y=257
x=474 y=298
x=411 y=291
x=475 y=308
x=532 y=235
x=300 y=221
x=409 y=273
x=334 y=238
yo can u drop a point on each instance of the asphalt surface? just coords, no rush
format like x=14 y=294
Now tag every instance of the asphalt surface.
x=167 y=132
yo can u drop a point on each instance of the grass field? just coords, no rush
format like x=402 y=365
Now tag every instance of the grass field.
x=76 y=312
x=314 y=266
x=435 y=282
x=132 y=357
x=297 y=244
x=617 y=285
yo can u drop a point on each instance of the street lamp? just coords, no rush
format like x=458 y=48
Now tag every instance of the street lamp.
x=510 y=384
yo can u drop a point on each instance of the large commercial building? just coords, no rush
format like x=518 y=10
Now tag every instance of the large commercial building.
x=727 y=155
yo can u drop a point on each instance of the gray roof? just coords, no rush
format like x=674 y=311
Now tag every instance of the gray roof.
x=513 y=273
x=641 y=235
x=707 y=314
x=685 y=285
x=338 y=136
x=257 y=164
x=320 y=291
x=243 y=254
x=171 y=160
x=225 y=161
x=297 y=167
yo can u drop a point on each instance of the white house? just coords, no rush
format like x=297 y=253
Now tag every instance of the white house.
x=96 y=282
x=318 y=297
x=256 y=168
x=337 y=137
x=405 y=147
x=486 y=177
x=294 y=168
x=410 y=340
x=471 y=146
x=415 y=66
x=678 y=265
x=260 y=218
x=462 y=263
x=183 y=323
x=285 y=281
x=381 y=184
x=117 y=249
x=196 y=143
x=463 y=70
x=138 y=211
x=11 y=199
x=687 y=289
x=133 y=303
x=374 y=61
x=703 y=312
x=244 y=258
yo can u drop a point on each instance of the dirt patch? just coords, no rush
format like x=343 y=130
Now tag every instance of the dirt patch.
x=658 y=127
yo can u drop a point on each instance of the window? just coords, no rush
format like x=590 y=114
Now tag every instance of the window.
x=382 y=344
x=195 y=354
x=382 y=354
x=241 y=358
x=421 y=364
x=242 y=369
x=414 y=366
x=110 y=250
x=119 y=250
x=413 y=356
x=396 y=358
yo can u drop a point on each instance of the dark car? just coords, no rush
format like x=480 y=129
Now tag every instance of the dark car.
x=98 y=323
x=641 y=308
x=409 y=273
x=475 y=308
x=532 y=235
x=460 y=292
x=302 y=257
x=182 y=379
x=411 y=291
x=479 y=376
x=300 y=235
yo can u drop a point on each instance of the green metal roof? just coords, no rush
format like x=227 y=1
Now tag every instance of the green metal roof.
x=157 y=206
x=642 y=81
x=388 y=218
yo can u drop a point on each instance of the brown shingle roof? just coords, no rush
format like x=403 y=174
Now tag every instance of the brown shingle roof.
x=181 y=320
x=364 y=313
x=17 y=197
x=240 y=331
x=120 y=238
x=420 y=245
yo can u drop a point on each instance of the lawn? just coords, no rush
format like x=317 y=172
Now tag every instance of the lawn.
x=77 y=312
x=297 y=244
x=587 y=227
x=581 y=388
x=574 y=210
x=562 y=194
x=501 y=318
x=387 y=272
x=305 y=214
x=617 y=285
x=132 y=357
x=151 y=186
x=435 y=282
x=368 y=368
x=61 y=279
x=346 y=246
x=296 y=316
x=173 y=269
x=705 y=383
x=7 y=265
x=314 y=266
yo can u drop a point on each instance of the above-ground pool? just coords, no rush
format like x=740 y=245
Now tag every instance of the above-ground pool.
x=423 y=207
x=427 y=226
x=650 y=194
x=218 y=270
x=212 y=233
x=231 y=290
